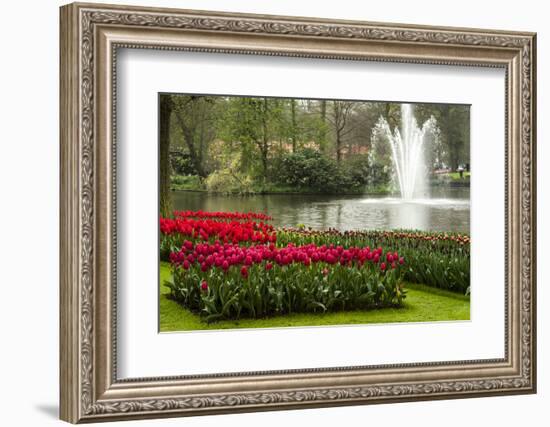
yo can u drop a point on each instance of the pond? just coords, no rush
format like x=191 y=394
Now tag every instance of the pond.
x=448 y=209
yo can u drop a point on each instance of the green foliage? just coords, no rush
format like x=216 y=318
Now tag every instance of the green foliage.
x=377 y=176
x=182 y=164
x=358 y=173
x=186 y=182
x=250 y=124
x=309 y=169
x=196 y=120
x=312 y=170
x=423 y=304
x=453 y=122
x=229 y=182
x=230 y=178
x=294 y=288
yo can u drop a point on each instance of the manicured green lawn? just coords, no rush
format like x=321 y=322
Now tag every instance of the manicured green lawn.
x=423 y=304
x=456 y=176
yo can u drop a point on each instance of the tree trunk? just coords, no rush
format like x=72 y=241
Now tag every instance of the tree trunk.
x=339 y=125
x=293 y=117
x=165 y=196
x=265 y=142
x=338 y=146
x=194 y=155
x=323 y=133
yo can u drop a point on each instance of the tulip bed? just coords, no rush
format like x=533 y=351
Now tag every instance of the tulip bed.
x=248 y=216
x=227 y=281
x=236 y=265
x=230 y=228
x=440 y=260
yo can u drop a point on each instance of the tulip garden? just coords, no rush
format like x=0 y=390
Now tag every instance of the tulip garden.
x=228 y=266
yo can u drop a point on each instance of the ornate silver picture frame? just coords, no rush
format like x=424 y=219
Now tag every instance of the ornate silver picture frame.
x=90 y=36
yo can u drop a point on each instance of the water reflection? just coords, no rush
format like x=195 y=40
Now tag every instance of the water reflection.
x=447 y=210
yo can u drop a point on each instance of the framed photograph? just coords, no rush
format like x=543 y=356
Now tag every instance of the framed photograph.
x=267 y=212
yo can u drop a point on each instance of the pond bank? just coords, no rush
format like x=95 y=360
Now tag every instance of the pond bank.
x=275 y=192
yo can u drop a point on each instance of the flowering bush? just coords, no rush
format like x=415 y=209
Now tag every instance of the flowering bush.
x=225 y=280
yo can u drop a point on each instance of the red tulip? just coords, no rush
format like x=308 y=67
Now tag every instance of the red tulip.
x=383 y=266
x=244 y=272
x=204 y=285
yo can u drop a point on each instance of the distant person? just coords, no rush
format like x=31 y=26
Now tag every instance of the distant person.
x=461 y=171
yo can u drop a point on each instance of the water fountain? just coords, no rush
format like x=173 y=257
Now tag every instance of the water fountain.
x=415 y=207
x=407 y=149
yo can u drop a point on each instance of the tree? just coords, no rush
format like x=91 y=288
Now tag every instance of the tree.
x=361 y=124
x=339 y=119
x=250 y=122
x=166 y=107
x=392 y=113
x=195 y=116
x=454 y=125
x=300 y=123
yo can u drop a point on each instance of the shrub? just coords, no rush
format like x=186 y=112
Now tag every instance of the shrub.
x=228 y=181
x=356 y=172
x=309 y=169
x=185 y=182
x=181 y=164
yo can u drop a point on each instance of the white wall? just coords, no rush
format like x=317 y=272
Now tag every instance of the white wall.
x=29 y=170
